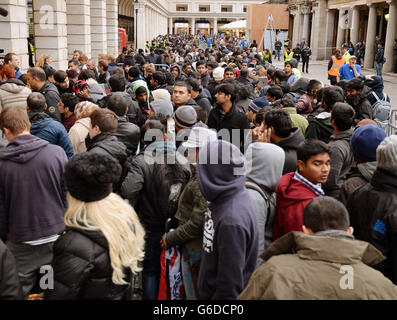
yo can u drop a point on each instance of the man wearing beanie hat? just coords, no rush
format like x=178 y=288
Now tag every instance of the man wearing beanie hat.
x=161 y=94
x=185 y=118
x=373 y=207
x=363 y=144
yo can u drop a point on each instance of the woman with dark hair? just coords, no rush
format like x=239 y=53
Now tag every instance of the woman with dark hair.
x=154 y=181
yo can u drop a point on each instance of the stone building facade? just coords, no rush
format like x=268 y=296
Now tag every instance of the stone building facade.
x=327 y=24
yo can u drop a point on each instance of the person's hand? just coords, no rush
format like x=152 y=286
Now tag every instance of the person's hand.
x=261 y=134
x=163 y=243
x=369 y=78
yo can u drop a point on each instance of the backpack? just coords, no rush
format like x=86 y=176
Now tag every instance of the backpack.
x=381 y=108
x=268 y=199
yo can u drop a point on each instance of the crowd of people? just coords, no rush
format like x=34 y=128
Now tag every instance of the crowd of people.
x=260 y=176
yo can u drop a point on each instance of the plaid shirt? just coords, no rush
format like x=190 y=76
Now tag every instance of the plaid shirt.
x=315 y=187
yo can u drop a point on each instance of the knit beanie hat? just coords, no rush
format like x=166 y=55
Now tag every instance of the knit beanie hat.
x=218 y=73
x=161 y=94
x=89 y=177
x=185 y=117
x=364 y=142
x=163 y=106
x=386 y=154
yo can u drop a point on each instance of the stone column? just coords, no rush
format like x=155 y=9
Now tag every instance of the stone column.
x=216 y=26
x=390 y=36
x=170 y=26
x=355 y=25
x=98 y=28
x=140 y=26
x=329 y=33
x=193 y=31
x=78 y=26
x=14 y=31
x=341 y=32
x=370 y=39
x=112 y=26
x=305 y=31
x=319 y=38
x=297 y=23
x=51 y=32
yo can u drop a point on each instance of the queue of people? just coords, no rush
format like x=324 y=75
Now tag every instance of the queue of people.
x=266 y=177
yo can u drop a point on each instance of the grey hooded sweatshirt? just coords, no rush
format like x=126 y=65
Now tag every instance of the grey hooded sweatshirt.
x=265 y=162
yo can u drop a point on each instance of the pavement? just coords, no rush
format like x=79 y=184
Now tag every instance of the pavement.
x=319 y=70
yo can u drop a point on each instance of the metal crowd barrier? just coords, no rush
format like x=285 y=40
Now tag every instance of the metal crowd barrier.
x=389 y=126
x=159 y=67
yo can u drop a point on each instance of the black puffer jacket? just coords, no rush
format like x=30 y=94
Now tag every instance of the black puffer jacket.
x=129 y=134
x=373 y=215
x=109 y=145
x=290 y=146
x=10 y=288
x=362 y=107
x=82 y=269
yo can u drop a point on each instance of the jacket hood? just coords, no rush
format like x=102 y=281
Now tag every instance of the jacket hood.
x=179 y=68
x=23 y=148
x=265 y=163
x=39 y=121
x=109 y=143
x=137 y=84
x=293 y=190
x=341 y=250
x=221 y=170
x=300 y=86
x=293 y=140
x=367 y=169
x=14 y=86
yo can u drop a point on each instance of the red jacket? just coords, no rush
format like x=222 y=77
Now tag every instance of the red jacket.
x=292 y=197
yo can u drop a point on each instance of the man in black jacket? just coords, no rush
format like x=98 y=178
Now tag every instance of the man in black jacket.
x=127 y=133
x=101 y=137
x=37 y=81
x=373 y=207
x=379 y=59
x=117 y=86
x=358 y=100
x=226 y=116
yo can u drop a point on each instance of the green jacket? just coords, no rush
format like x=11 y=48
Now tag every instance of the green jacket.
x=322 y=267
x=298 y=121
x=190 y=214
x=320 y=127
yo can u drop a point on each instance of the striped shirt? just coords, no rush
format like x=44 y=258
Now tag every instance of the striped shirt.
x=315 y=187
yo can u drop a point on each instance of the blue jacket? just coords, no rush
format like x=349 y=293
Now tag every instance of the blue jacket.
x=230 y=240
x=50 y=130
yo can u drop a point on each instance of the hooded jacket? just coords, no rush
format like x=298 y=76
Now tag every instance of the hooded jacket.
x=50 y=130
x=305 y=105
x=82 y=269
x=181 y=75
x=290 y=146
x=373 y=214
x=109 y=145
x=13 y=93
x=292 y=197
x=359 y=176
x=96 y=91
x=319 y=127
x=342 y=160
x=230 y=230
x=32 y=191
x=298 y=121
x=305 y=267
x=265 y=162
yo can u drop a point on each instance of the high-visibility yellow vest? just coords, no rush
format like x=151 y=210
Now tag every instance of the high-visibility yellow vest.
x=289 y=56
x=31 y=48
x=297 y=72
x=346 y=56
x=336 y=64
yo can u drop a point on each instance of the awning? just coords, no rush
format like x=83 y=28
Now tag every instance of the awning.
x=235 y=25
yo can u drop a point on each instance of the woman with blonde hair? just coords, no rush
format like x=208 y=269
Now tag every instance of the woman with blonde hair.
x=100 y=250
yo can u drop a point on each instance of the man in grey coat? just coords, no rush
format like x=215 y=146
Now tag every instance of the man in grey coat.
x=342 y=159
